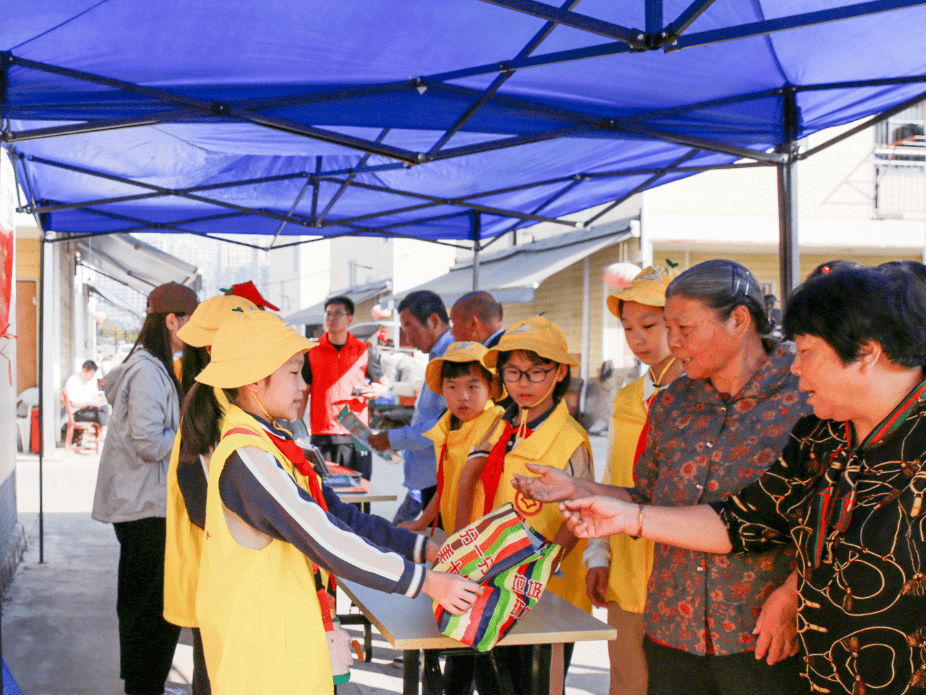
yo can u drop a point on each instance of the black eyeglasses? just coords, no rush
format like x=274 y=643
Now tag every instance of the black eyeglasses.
x=535 y=375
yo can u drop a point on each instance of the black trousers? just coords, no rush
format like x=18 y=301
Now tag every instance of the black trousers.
x=674 y=671
x=201 y=684
x=146 y=641
x=93 y=414
x=461 y=671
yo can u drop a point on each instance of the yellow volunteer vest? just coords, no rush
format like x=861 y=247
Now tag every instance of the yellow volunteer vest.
x=631 y=558
x=183 y=548
x=459 y=443
x=258 y=611
x=552 y=444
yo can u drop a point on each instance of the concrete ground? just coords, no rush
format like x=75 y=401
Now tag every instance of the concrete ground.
x=59 y=624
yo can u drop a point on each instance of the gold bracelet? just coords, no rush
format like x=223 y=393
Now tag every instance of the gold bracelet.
x=639 y=532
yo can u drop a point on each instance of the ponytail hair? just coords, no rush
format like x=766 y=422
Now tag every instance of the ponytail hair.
x=201 y=420
x=195 y=360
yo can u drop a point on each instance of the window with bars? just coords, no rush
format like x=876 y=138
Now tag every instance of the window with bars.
x=900 y=164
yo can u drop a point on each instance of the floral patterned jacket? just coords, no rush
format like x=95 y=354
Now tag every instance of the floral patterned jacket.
x=862 y=575
x=699 y=449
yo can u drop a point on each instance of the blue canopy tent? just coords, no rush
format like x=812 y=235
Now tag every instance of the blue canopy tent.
x=454 y=122
x=439 y=121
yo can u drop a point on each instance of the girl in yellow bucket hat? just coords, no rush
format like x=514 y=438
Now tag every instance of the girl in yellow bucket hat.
x=186 y=483
x=533 y=360
x=619 y=566
x=274 y=534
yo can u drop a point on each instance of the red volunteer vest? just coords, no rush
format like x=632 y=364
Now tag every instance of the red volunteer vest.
x=335 y=374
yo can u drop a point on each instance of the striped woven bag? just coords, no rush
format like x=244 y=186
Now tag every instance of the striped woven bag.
x=510 y=560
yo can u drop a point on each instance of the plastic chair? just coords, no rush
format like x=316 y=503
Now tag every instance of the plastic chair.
x=85 y=427
x=27 y=400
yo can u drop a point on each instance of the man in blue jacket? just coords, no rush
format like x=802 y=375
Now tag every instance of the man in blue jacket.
x=427 y=327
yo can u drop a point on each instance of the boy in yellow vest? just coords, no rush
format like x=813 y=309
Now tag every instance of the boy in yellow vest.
x=532 y=358
x=469 y=388
x=273 y=534
x=619 y=566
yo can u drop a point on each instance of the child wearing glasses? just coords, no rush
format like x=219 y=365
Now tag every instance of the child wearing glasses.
x=533 y=361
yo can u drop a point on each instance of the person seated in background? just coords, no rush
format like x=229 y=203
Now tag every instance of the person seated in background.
x=88 y=402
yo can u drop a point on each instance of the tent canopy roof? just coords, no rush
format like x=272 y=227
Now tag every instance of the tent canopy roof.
x=433 y=120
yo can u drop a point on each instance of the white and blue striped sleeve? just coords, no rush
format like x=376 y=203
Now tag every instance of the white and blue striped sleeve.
x=254 y=487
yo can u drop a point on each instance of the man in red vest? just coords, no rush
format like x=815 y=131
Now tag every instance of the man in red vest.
x=342 y=371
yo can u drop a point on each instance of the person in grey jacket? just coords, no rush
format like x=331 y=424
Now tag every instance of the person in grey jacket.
x=131 y=486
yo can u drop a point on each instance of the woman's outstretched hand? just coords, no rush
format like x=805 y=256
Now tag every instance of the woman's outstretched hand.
x=597 y=517
x=455 y=593
x=553 y=485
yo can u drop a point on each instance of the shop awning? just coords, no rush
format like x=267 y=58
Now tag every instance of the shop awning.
x=512 y=275
x=124 y=258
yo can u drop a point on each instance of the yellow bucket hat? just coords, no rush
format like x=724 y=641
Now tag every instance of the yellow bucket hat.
x=648 y=287
x=466 y=351
x=250 y=346
x=200 y=330
x=538 y=335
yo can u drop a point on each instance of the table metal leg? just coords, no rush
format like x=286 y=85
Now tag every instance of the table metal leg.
x=367 y=642
x=361 y=619
x=502 y=673
x=433 y=679
x=540 y=668
x=410 y=672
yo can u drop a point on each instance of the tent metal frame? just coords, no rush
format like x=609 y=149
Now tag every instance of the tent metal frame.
x=171 y=107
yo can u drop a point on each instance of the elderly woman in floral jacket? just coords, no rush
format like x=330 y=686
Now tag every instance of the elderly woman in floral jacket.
x=847 y=490
x=716 y=624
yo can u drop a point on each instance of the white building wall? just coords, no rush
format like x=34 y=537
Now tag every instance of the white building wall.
x=737 y=211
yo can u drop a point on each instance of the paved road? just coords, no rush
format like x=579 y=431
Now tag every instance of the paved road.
x=59 y=618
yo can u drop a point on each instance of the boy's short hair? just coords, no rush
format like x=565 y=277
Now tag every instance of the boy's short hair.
x=89 y=366
x=346 y=301
x=561 y=388
x=452 y=370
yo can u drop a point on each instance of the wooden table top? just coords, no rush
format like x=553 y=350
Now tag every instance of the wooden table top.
x=370 y=494
x=409 y=623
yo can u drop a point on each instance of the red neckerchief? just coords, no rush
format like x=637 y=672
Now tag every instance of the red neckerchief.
x=296 y=456
x=495 y=463
x=641 y=442
x=440 y=484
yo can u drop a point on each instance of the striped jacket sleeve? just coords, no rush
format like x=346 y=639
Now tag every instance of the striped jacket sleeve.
x=254 y=487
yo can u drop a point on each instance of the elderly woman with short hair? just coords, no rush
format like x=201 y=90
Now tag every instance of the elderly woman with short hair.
x=715 y=624
x=848 y=489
